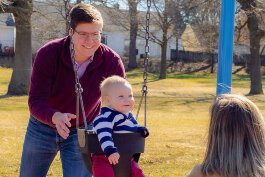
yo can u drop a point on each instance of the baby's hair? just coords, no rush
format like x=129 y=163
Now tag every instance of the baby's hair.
x=236 y=138
x=110 y=81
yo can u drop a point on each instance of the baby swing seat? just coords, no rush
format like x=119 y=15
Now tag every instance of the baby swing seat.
x=129 y=145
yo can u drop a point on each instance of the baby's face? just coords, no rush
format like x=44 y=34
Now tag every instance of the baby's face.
x=120 y=98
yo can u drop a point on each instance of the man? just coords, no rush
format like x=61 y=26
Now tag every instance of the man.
x=52 y=97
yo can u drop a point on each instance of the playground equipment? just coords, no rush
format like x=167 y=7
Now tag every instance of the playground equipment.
x=87 y=138
x=225 y=50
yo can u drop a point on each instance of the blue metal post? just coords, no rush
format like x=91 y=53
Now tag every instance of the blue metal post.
x=225 y=51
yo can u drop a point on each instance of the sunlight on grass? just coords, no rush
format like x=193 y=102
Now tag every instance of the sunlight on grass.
x=177 y=110
x=5 y=75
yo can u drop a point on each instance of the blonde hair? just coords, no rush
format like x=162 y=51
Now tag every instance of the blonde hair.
x=110 y=81
x=236 y=142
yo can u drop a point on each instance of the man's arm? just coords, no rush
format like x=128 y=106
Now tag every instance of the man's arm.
x=40 y=87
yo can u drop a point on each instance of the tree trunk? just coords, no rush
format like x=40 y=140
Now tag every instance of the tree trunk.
x=212 y=62
x=255 y=34
x=177 y=49
x=255 y=62
x=163 y=66
x=67 y=13
x=133 y=34
x=19 y=83
x=165 y=27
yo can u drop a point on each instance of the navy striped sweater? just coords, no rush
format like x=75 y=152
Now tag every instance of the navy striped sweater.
x=110 y=121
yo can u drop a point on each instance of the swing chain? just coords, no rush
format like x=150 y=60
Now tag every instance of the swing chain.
x=78 y=88
x=147 y=49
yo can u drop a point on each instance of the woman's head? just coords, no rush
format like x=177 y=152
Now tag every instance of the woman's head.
x=85 y=28
x=116 y=93
x=236 y=140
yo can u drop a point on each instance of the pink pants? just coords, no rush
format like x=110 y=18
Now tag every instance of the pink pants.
x=102 y=168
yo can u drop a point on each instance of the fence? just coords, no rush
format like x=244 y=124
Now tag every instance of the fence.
x=189 y=57
x=241 y=60
x=6 y=60
x=193 y=57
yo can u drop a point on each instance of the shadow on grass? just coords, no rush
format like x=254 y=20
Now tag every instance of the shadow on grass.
x=198 y=99
x=138 y=83
x=208 y=99
x=5 y=96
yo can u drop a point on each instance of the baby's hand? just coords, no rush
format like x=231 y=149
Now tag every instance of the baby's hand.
x=143 y=130
x=114 y=158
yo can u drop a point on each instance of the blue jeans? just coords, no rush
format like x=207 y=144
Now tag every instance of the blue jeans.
x=41 y=146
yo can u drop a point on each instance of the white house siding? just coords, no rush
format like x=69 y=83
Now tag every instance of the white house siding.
x=119 y=42
x=154 y=48
x=116 y=33
x=7 y=33
x=45 y=29
x=47 y=24
x=115 y=40
x=7 y=36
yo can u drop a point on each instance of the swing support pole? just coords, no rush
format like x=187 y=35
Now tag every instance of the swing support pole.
x=225 y=50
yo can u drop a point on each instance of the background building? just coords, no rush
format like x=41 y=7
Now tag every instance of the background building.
x=7 y=33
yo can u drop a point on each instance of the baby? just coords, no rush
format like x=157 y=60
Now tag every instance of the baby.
x=116 y=116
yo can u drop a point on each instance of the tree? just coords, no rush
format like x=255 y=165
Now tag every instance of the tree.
x=169 y=19
x=22 y=10
x=203 y=16
x=178 y=22
x=161 y=30
x=165 y=25
x=126 y=19
x=55 y=15
x=1 y=5
x=133 y=33
x=255 y=34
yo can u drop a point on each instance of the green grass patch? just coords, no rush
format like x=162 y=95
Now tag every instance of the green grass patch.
x=177 y=117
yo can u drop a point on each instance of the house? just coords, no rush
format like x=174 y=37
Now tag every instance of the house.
x=242 y=43
x=7 y=33
x=48 y=24
x=190 y=41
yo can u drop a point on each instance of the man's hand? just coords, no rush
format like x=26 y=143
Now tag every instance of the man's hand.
x=62 y=122
x=114 y=158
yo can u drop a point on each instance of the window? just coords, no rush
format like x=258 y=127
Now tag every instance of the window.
x=104 y=39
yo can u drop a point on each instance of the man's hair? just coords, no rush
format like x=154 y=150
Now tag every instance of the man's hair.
x=109 y=82
x=236 y=139
x=84 y=13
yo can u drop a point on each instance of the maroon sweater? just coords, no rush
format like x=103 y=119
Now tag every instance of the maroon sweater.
x=52 y=86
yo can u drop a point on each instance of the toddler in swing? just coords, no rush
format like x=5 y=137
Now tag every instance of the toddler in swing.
x=115 y=117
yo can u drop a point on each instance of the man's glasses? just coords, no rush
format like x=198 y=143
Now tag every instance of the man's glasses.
x=86 y=36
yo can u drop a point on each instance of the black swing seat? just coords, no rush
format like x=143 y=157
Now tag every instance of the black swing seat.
x=129 y=145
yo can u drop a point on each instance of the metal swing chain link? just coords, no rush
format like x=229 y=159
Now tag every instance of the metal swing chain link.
x=147 y=48
x=78 y=90
x=144 y=86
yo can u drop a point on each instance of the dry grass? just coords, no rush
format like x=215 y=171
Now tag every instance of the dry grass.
x=177 y=120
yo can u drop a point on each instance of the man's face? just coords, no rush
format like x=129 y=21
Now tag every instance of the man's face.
x=86 y=38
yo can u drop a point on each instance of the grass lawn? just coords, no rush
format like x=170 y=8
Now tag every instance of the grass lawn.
x=177 y=120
